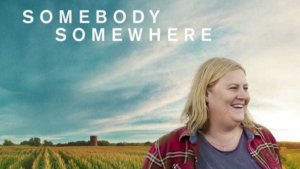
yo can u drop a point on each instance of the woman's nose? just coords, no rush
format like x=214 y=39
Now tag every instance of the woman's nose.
x=243 y=94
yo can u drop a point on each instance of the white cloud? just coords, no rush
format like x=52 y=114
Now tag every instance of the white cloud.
x=263 y=37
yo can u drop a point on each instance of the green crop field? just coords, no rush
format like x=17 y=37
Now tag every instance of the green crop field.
x=105 y=157
x=110 y=157
x=290 y=158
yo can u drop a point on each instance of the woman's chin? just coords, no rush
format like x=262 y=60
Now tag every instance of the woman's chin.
x=239 y=117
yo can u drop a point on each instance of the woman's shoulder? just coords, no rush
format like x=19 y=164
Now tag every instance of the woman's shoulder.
x=175 y=135
x=175 y=140
x=169 y=149
x=263 y=132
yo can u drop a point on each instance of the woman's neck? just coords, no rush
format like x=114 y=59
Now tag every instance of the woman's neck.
x=222 y=138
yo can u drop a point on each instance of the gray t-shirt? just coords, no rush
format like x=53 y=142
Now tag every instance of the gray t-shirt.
x=211 y=158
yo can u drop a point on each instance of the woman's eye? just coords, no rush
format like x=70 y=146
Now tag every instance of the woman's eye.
x=233 y=88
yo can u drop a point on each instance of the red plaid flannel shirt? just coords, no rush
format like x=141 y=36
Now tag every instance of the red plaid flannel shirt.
x=179 y=150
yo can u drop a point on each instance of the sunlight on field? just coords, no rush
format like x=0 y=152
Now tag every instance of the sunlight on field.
x=109 y=157
x=290 y=158
x=101 y=157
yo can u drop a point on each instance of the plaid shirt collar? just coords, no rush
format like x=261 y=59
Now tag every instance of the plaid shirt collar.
x=185 y=133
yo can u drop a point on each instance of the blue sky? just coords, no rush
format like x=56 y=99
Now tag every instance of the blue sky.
x=135 y=91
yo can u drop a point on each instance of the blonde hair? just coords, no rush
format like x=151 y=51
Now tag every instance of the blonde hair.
x=195 y=110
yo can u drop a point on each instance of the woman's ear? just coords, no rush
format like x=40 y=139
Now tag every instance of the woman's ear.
x=206 y=98
x=207 y=93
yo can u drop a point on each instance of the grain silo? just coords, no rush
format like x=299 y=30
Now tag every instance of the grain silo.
x=93 y=140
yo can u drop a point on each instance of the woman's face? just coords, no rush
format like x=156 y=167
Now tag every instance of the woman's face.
x=228 y=99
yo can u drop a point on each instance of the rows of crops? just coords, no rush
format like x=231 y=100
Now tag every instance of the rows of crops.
x=110 y=157
x=72 y=157
x=290 y=158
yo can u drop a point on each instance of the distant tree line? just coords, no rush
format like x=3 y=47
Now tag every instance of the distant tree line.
x=35 y=141
x=289 y=145
x=103 y=143
x=8 y=143
x=133 y=144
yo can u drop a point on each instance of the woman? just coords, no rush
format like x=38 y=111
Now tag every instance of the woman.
x=219 y=133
